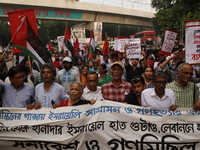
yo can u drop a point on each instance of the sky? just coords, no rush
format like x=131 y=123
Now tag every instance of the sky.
x=144 y=5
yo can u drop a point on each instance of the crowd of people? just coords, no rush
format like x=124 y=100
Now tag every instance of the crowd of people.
x=156 y=81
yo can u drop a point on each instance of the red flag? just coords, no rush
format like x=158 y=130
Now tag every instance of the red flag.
x=19 y=30
x=105 y=49
x=76 y=45
x=91 y=45
x=67 y=40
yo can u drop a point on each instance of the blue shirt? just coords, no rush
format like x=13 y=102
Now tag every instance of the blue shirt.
x=12 y=97
x=56 y=93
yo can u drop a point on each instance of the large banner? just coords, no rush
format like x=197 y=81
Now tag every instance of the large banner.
x=169 y=42
x=106 y=125
x=192 y=41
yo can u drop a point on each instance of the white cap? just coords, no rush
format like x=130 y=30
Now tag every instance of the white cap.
x=68 y=59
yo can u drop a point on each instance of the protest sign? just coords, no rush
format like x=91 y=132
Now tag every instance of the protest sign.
x=133 y=48
x=169 y=42
x=104 y=125
x=192 y=41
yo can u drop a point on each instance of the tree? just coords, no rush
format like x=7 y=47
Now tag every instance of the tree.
x=171 y=14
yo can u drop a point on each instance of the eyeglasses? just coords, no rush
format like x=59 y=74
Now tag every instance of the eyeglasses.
x=187 y=73
x=20 y=78
x=161 y=82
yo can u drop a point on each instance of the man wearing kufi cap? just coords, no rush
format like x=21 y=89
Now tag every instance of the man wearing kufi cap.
x=67 y=75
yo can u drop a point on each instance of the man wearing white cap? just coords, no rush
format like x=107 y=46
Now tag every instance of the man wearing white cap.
x=67 y=75
x=117 y=89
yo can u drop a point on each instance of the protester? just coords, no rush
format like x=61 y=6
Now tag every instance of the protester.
x=79 y=64
x=148 y=73
x=106 y=61
x=57 y=62
x=67 y=75
x=32 y=73
x=83 y=75
x=49 y=92
x=104 y=77
x=27 y=80
x=96 y=66
x=76 y=91
x=92 y=91
x=117 y=89
x=91 y=65
x=186 y=92
x=159 y=97
x=138 y=85
x=17 y=93
x=133 y=69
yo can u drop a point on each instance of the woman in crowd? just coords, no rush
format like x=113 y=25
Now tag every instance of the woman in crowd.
x=104 y=77
x=83 y=74
x=75 y=93
x=148 y=73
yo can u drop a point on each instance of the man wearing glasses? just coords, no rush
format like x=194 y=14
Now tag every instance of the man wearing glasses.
x=186 y=92
x=17 y=93
x=159 y=97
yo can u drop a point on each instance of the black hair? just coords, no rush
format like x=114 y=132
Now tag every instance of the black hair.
x=104 y=67
x=160 y=74
x=92 y=72
x=49 y=66
x=16 y=69
x=137 y=79
x=84 y=67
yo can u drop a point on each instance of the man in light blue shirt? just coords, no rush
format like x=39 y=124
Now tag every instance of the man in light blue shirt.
x=17 y=93
x=49 y=93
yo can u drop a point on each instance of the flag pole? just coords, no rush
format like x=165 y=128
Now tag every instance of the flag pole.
x=23 y=20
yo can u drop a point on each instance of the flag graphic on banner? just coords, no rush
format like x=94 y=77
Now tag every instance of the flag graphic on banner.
x=91 y=45
x=67 y=40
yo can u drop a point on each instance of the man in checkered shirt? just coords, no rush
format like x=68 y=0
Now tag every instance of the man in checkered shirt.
x=117 y=89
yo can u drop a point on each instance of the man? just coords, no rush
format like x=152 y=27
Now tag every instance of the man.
x=133 y=70
x=49 y=92
x=57 y=62
x=117 y=89
x=92 y=91
x=186 y=92
x=67 y=75
x=138 y=85
x=17 y=93
x=159 y=97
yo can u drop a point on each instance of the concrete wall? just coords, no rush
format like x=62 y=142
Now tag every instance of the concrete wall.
x=91 y=12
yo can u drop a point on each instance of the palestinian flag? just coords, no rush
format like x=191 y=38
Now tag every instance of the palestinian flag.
x=92 y=45
x=67 y=40
x=34 y=47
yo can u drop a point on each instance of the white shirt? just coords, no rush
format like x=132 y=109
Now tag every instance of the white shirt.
x=151 y=100
x=88 y=95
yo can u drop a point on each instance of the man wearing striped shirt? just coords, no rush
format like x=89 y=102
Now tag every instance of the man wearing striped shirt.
x=186 y=92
